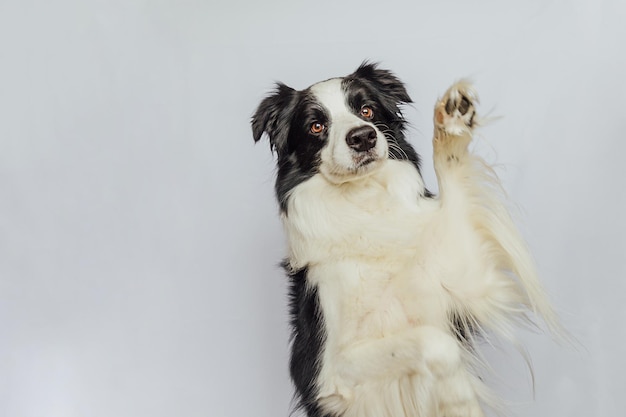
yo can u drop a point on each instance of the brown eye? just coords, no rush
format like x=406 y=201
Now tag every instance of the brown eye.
x=367 y=112
x=317 y=128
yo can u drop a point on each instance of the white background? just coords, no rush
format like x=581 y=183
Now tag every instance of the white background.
x=139 y=237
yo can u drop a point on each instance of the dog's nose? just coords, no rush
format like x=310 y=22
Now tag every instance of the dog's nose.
x=362 y=138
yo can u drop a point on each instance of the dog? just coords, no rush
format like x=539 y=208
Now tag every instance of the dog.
x=392 y=287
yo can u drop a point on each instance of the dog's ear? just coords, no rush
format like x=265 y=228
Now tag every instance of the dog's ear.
x=384 y=81
x=273 y=116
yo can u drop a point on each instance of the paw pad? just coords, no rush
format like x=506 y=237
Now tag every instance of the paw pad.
x=455 y=112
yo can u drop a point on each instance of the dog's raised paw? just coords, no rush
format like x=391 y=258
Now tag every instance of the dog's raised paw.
x=455 y=112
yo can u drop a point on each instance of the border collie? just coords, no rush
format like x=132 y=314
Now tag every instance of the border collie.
x=390 y=285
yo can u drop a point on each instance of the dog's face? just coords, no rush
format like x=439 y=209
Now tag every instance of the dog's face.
x=343 y=123
x=342 y=128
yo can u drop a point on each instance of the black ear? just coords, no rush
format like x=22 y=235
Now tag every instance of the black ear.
x=384 y=81
x=273 y=116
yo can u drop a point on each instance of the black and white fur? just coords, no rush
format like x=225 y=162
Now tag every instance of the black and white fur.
x=389 y=284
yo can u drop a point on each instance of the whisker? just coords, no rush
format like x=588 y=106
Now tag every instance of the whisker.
x=391 y=140
x=393 y=145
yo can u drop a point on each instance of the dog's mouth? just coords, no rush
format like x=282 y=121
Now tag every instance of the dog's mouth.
x=363 y=165
x=361 y=161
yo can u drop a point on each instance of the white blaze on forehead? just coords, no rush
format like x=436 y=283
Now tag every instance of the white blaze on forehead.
x=330 y=95
x=339 y=162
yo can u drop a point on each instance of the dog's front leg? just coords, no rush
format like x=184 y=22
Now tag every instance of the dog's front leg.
x=483 y=249
x=458 y=176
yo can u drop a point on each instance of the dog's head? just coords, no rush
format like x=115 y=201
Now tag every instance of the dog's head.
x=342 y=128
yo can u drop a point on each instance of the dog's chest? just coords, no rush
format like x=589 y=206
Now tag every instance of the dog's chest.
x=363 y=249
x=369 y=299
x=379 y=303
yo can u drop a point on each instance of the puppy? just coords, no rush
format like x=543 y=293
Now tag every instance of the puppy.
x=390 y=286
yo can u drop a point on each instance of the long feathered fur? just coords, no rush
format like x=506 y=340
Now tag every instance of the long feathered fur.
x=392 y=289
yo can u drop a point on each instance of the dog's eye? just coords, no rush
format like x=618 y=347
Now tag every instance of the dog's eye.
x=367 y=112
x=317 y=127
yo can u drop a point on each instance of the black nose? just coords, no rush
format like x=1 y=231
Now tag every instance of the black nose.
x=362 y=138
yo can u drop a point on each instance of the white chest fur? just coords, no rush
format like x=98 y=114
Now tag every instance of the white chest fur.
x=358 y=240
x=364 y=243
x=366 y=218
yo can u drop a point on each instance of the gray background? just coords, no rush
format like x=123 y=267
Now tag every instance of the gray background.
x=138 y=231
